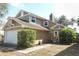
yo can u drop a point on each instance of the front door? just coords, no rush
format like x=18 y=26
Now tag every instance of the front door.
x=56 y=37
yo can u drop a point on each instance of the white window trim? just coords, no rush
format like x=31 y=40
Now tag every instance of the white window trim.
x=22 y=13
x=34 y=19
x=47 y=23
x=30 y=19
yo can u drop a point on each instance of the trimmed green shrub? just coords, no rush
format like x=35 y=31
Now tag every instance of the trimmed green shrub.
x=26 y=38
x=67 y=36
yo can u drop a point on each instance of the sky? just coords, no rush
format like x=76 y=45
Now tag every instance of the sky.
x=68 y=9
x=40 y=9
x=44 y=9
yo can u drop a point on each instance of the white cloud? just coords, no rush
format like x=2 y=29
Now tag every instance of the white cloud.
x=41 y=1
x=70 y=10
x=15 y=4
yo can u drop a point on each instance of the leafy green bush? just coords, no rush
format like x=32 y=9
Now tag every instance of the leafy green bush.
x=67 y=36
x=26 y=38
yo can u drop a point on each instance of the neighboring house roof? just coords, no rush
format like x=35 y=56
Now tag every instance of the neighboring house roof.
x=57 y=27
x=28 y=25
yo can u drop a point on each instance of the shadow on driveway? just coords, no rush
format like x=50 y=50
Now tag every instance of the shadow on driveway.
x=70 y=51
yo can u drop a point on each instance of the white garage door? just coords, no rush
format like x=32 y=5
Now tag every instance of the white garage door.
x=11 y=37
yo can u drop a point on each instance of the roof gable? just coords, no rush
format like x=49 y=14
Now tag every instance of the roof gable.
x=25 y=13
x=20 y=13
x=26 y=25
x=12 y=22
x=57 y=27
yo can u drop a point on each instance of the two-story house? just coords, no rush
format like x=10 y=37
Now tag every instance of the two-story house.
x=28 y=20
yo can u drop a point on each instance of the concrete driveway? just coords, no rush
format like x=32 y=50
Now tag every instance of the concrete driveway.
x=43 y=50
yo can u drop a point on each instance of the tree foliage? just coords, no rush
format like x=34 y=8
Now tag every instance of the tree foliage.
x=78 y=21
x=72 y=21
x=26 y=38
x=67 y=36
x=3 y=10
x=63 y=20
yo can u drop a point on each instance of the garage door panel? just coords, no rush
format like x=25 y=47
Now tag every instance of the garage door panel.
x=11 y=37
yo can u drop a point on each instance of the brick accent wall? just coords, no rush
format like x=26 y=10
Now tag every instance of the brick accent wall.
x=43 y=35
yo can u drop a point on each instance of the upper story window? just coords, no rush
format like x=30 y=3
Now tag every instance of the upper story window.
x=46 y=23
x=33 y=19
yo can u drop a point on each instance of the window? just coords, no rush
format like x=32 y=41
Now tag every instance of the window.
x=33 y=19
x=46 y=23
